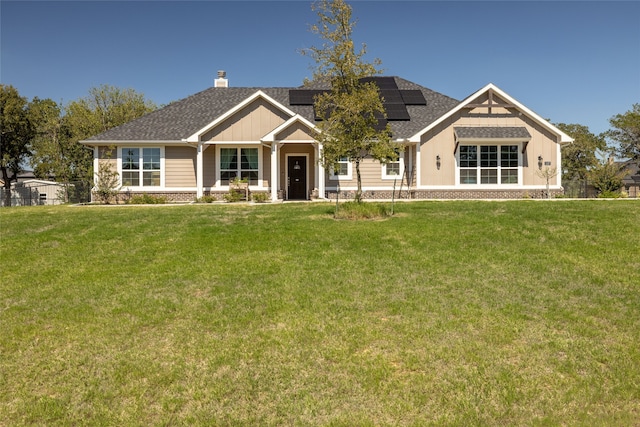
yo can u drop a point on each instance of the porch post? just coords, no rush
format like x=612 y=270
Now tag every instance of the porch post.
x=274 y=171
x=199 y=170
x=321 y=193
x=418 y=177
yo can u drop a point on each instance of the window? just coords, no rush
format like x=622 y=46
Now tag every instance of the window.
x=342 y=169
x=239 y=162
x=488 y=164
x=393 y=170
x=141 y=166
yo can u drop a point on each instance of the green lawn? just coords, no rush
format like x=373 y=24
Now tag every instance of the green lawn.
x=449 y=313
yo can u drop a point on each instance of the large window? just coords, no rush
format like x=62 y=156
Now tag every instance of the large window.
x=488 y=164
x=140 y=167
x=239 y=162
x=342 y=169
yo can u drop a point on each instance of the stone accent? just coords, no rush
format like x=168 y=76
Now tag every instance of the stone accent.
x=447 y=194
x=181 y=197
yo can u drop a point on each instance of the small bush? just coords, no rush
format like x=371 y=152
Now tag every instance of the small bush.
x=612 y=195
x=147 y=199
x=363 y=210
x=234 y=195
x=260 y=197
x=206 y=199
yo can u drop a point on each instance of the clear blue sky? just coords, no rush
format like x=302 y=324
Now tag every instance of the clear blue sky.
x=569 y=61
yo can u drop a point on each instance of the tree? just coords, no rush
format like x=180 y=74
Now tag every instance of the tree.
x=626 y=133
x=54 y=154
x=15 y=134
x=606 y=177
x=580 y=155
x=104 y=108
x=548 y=174
x=56 y=147
x=351 y=109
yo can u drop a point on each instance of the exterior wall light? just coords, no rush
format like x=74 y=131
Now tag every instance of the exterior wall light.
x=539 y=162
x=438 y=161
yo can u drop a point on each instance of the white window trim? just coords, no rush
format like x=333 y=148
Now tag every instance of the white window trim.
x=347 y=177
x=498 y=185
x=386 y=176
x=141 y=187
x=218 y=184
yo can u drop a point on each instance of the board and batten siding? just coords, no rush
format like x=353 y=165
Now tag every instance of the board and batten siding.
x=440 y=141
x=249 y=124
x=295 y=132
x=180 y=166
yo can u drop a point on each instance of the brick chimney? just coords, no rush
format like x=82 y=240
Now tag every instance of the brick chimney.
x=222 y=80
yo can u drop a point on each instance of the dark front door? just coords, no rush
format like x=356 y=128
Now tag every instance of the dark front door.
x=297 y=179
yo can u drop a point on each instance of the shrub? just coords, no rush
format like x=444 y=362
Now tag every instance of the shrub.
x=234 y=195
x=107 y=180
x=146 y=199
x=612 y=195
x=206 y=199
x=260 y=197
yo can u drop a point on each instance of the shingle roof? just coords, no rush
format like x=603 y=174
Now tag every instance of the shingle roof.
x=492 y=132
x=183 y=118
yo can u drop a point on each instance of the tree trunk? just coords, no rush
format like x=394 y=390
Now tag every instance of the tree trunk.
x=7 y=186
x=358 y=197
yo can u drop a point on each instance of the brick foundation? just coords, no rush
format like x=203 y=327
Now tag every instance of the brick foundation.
x=448 y=194
x=182 y=197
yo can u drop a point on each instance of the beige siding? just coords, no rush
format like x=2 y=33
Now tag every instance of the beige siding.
x=209 y=166
x=250 y=124
x=266 y=166
x=180 y=167
x=295 y=132
x=441 y=141
x=371 y=173
x=108 y=155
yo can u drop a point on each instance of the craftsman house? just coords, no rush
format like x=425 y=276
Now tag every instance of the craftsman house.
x=486 y=146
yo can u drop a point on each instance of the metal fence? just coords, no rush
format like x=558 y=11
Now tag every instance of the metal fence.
x=43 y=193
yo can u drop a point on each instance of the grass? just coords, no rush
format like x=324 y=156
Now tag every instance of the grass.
x=448 y=313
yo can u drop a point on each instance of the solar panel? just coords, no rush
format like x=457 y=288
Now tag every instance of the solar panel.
x=413 y=97
x=395 y=100
x=396 y=112
x=382 y=82
x=303 y=96
x=391 y=96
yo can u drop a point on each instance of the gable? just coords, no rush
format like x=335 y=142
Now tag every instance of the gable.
x=492 y=103
x=295 y=132
x=250 y=123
